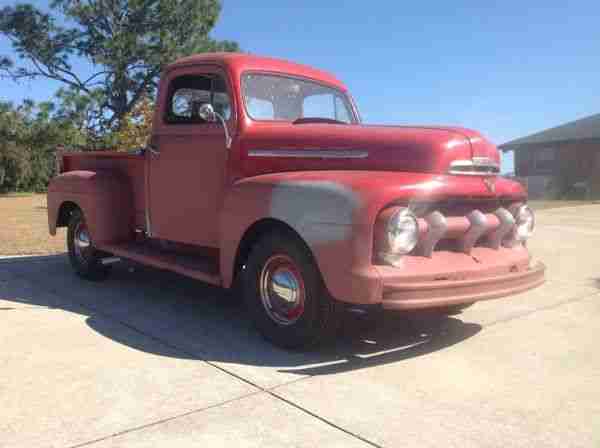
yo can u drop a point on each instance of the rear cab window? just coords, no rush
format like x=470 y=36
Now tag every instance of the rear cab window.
x=187 y=93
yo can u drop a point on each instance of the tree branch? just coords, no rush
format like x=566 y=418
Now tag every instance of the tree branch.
x=95 y=75
x=52 y=75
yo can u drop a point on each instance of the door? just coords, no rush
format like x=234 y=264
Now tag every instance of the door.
x=189 y=157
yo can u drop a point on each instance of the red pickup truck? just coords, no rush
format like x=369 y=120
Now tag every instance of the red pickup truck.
x=260 y=175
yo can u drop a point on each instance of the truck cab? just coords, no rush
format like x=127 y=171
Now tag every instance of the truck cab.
x=260 y=177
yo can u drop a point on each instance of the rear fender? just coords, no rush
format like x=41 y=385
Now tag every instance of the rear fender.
x=104 y=197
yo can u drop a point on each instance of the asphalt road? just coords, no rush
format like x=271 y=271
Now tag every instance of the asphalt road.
x=150 y=359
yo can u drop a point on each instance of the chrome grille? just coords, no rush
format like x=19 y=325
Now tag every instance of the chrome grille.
x=465 y=232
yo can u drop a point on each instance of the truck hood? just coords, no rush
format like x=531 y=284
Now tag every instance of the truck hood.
x=275 y=147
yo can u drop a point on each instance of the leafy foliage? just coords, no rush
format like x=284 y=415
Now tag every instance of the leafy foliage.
x=29 y=135
x=136 y=126
x=127 y=42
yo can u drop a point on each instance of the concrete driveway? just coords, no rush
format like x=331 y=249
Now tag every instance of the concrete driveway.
x=150 y=359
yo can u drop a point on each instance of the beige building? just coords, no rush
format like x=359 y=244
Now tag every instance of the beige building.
x=560 y=162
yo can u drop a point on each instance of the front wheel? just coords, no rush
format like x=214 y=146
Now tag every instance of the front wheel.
x=85 y=258
x=285 y=295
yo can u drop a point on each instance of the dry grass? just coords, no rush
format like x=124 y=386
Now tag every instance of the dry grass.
x=24 y=226
x=558 y=203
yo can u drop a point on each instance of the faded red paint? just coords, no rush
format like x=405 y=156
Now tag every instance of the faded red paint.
x=199 y=193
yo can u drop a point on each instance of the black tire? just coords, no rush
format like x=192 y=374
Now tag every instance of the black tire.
x=86 y=262
x=320 y=316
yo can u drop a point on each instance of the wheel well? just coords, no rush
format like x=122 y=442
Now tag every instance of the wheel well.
x=255 y=232
x=64 y=213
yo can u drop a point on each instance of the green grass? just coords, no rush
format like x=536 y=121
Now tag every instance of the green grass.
x=17 y=194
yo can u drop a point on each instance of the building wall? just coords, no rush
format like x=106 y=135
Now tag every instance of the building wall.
x=553 y=169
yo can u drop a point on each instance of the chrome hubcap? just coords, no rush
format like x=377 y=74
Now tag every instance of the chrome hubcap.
x=82 y=242
x=282 y=290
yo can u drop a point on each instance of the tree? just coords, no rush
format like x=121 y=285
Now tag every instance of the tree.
x=14 y=163
x=29 y=134
x=126 y=42
x=136 y=126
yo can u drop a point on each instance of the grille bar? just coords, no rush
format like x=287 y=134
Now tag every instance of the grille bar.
x=436 y=227
x=506 y=225
x=466 y=230
x=478 y=226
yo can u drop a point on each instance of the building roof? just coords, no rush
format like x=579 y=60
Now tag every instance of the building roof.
x=587 y=128
x=241 y=62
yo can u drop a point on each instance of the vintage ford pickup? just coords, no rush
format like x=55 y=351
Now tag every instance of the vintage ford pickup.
x=260 y=176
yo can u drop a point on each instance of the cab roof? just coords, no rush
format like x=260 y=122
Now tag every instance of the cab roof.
x=241 y=62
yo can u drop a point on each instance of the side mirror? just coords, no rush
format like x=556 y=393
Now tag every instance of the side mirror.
x=208 y=114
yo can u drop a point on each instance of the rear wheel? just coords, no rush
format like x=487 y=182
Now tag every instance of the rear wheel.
x=285 y=295
x=85 y=258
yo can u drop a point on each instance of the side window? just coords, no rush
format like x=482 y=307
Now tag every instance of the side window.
x=260 y=109
x=318 y=106
x=341 y=110
x=326 y=105
x=188 y=93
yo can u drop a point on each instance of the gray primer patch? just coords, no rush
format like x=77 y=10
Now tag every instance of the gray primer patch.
x=321 y=210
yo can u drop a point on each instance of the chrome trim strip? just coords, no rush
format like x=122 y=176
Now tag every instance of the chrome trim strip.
x=472 y=173
x=310 y=153
x=476 y=167
x=486 y=161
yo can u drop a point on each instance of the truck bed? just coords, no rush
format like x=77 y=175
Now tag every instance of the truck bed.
x=129 y=165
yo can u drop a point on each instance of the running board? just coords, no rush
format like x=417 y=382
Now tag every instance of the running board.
x=198 y=267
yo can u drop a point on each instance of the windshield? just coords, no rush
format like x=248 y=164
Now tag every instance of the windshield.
x=274 y=97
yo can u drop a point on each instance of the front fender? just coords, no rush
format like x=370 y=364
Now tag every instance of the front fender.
x=104 y=197
x=321 y=210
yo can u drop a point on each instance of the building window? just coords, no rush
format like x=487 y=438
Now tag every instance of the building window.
x=543 y=160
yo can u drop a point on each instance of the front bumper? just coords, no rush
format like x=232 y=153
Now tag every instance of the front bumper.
x=456 y=278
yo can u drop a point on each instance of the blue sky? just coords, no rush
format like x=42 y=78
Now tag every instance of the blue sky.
x=505 y=68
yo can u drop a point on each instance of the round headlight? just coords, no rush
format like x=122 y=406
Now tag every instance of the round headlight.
x=402 y=232
x=525 y=223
